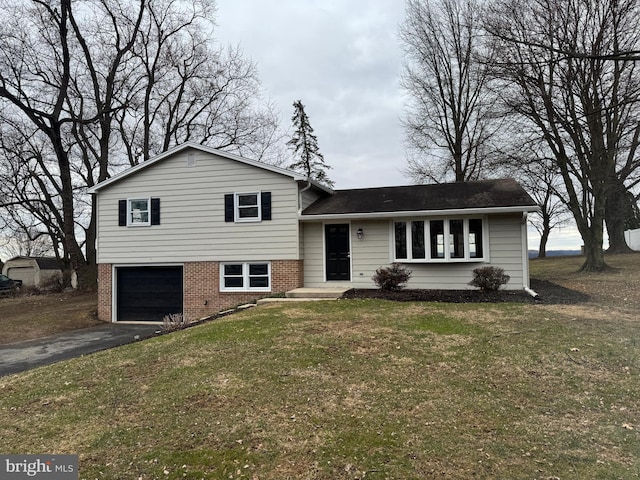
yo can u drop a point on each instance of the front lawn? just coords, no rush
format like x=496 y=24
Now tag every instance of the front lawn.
x=349 y=389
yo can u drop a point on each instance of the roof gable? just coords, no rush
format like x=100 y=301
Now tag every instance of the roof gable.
x=202 y=148
x=503 y=194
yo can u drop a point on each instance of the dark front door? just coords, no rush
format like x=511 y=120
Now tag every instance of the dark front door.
x=337 y=251
x=148 y=293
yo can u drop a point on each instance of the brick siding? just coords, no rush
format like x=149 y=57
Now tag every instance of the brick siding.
x=202 y=295
x=104 y=291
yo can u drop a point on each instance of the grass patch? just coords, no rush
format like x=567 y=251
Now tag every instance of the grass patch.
x=28 y=316
x=347 y=390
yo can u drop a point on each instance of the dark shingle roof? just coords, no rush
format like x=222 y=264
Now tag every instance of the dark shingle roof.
x=49 y=263
x=44 y=263
x=500 y=193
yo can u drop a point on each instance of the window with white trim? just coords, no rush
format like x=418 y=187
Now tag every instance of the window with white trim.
x=247 y=207
x=440 y=240
x=138 y=212
x=245 y=277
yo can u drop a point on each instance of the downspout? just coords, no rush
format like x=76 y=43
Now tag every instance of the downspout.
x=525 y=259
x=300 y=196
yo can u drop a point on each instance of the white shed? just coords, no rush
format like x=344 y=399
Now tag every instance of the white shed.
x=633 y=239
x=34 y=271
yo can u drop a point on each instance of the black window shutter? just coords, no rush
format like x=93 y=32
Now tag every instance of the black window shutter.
x=122 y=213
x=155 y=211
x=228 y=207
x=266 y=205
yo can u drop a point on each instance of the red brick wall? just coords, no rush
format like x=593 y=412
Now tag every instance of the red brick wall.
x=202 y=296
x=104 y=291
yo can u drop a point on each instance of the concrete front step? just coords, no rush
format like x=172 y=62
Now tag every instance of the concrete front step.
x=328 y=292
x=263 y=301
x=307 y=295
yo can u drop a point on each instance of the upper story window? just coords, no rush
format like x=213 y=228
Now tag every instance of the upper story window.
x=138 y=212
x=440 y=240
x=247 y=207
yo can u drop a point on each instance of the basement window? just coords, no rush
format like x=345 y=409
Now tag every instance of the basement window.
x=245 y=277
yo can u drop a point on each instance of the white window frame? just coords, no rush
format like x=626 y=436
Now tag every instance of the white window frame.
x=130 y=222
x=447 y=243
x=246 y=277
x=237 y=207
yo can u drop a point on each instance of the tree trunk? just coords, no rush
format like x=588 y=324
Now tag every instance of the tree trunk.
x=593 y=240
x=542 y=249
x=71 y=243
x=618 y=210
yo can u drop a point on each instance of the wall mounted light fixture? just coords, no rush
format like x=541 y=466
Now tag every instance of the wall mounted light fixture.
x=360 y=233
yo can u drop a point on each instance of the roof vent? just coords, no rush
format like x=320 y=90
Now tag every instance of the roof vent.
x=191 y=160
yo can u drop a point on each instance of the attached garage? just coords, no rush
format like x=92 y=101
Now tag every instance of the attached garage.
x=147 y=294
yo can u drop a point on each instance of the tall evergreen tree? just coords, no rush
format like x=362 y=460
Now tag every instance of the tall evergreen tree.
x=307 y=156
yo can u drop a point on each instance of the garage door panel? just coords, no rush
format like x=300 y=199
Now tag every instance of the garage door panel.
x=148 y=293
x=26 y=274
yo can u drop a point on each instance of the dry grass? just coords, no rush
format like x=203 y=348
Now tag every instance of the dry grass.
x=617 y=288
x=25 y=317
x=358 y=389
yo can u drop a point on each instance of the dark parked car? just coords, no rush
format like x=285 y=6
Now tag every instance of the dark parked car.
x=8 y=285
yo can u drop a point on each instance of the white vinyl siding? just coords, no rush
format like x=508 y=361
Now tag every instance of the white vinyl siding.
x=308 y=197
x=504 y=234
x=193 y=224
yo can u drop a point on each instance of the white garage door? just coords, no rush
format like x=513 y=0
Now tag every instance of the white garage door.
x=26 y=274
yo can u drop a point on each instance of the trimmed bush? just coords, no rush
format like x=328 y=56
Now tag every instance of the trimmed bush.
x=392 y=278
x=489 y=279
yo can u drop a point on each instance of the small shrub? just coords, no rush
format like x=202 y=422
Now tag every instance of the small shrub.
x=489 y=279
x=392 y=278
x=174 y=321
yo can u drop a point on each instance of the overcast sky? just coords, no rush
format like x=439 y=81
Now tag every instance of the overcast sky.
x=343 y=59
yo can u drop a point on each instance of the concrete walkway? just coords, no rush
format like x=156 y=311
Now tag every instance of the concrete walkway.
x=22 y=356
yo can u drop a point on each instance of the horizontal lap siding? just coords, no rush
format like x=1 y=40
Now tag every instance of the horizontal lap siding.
x=370 y=252
x=313 y=256
x=192 y=226
x=506 y=247
x=373 y=251
x=505 y=250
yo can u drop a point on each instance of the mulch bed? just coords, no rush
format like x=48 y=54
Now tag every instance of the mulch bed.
x=548 y=293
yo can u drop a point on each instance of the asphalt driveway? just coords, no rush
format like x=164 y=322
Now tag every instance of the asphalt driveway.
x=18 y=357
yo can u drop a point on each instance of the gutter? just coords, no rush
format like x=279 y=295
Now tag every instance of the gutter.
x=417 y=213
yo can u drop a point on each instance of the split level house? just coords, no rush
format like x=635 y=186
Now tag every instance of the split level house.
x=197 y=230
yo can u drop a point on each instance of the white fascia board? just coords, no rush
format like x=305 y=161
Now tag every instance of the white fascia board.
x=172 y=151
x=419 y=213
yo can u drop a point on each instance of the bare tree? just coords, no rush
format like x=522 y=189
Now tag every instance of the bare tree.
x=447 y=122
x=189 y=89
x=34 y=80
x=584 y=107
x=544 y=184
x=88 y=87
